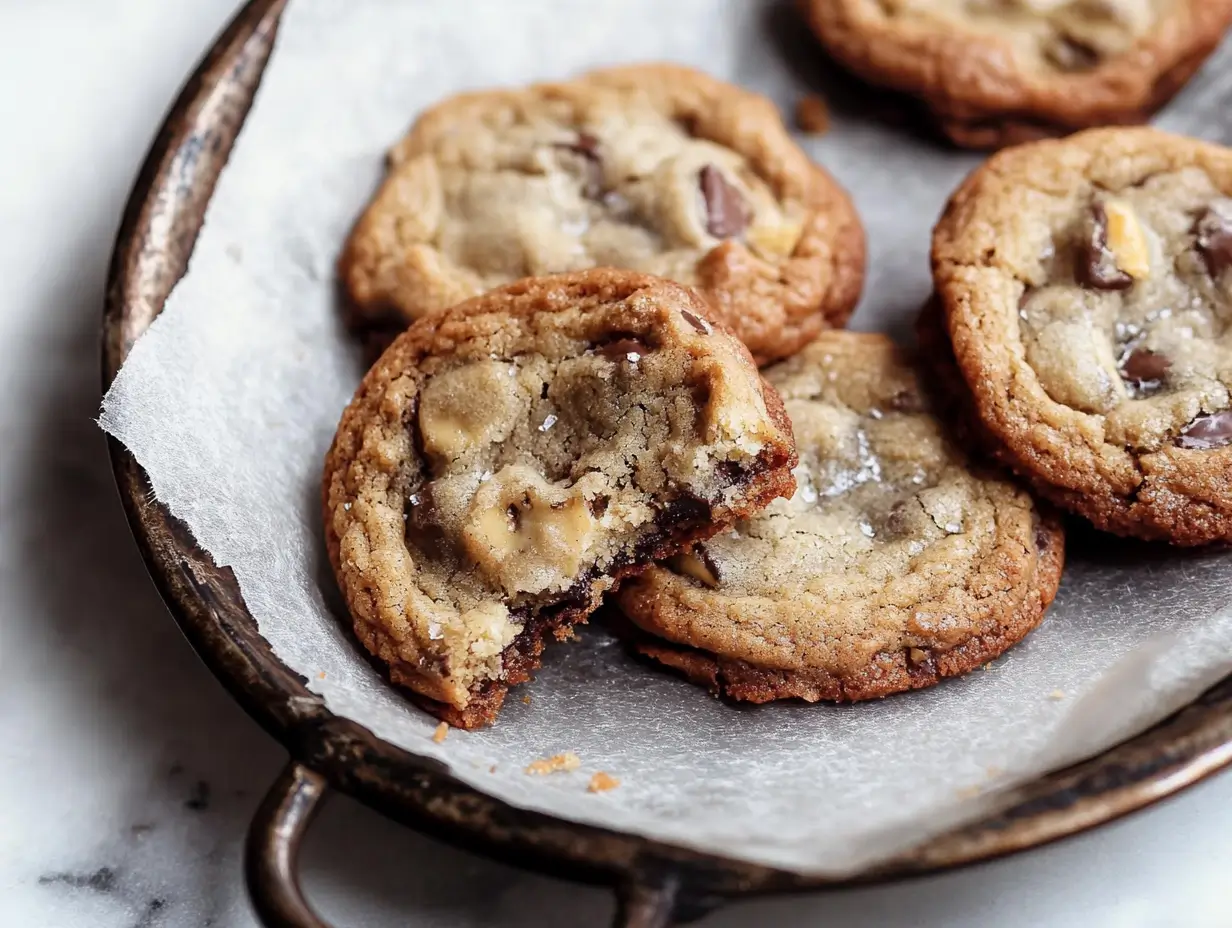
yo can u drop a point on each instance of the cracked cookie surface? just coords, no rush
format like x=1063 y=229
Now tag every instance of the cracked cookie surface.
x=999 y=72
x=506 y=462
x=1087 y=290
x=893 y=565
x=655 y=168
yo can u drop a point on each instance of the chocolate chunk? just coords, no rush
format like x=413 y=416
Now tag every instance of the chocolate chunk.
x=587 y=148
x=422 y=531
x=1143 y=366
x=1207 y=432
x=696 y=321
x=1097 y=267
x=921 y=662
x=1043 y=538
x=1070 y=54
x=727 y=215
x=1214 y=230
x=733 y=474
x=626 y=348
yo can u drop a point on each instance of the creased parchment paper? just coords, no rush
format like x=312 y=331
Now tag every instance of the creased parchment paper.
x=230 y=401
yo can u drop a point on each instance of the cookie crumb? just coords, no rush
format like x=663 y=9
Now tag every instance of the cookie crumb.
x=557 y=763
x=526 y=699
x=442 y=731
x=1057 y=695
x=321 y=675
x=994 y=771
x=601 y=782
x=968 y=792
x=492 y=769
x=812 y=115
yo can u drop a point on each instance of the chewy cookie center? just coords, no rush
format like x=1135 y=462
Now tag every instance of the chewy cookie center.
x=1061 y=35
x=1130 y=317
x=542 y=470
x=879 y=491
x=626 y=187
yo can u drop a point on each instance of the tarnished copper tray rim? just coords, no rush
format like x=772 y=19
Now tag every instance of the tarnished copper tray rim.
x=656 y=881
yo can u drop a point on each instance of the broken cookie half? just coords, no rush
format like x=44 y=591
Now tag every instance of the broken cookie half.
x=895 y=564
x=507 y=462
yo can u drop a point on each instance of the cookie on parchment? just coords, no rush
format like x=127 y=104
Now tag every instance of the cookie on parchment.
x=896 y=563
x=1086 y=286
x=508 y=461
x=656 y=168
x=999 y=72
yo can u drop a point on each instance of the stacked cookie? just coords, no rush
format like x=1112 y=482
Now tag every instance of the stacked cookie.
x=573 y=285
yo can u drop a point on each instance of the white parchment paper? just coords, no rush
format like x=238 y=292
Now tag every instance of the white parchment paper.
x=231 y=398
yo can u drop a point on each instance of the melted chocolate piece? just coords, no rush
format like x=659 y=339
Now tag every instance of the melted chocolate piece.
x=587 y=148
x=1207 y=432
x=696 y=321
x=1214 y=230
x=422 y=531
x=626 y=348
x=1142 y=366
x=727 y=215
x=1070 y=54
x=1043 y=538
x=1096 y=266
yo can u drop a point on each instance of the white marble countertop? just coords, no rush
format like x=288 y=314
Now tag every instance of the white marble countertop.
x=128 y=775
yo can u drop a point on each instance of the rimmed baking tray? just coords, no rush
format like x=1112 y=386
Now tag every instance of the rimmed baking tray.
x=657 y=884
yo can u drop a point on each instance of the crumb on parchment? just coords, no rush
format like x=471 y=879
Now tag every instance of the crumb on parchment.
x=601 y=782
x=558 y=763
x=1057 y=695
x=442 y=731
x=812 y=115
x=526 y=699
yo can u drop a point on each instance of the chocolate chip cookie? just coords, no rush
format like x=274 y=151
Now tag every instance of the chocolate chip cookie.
x=508 y=461
x=1087 y=291
x=896 y=563
x=659 y=169
x=999 y=72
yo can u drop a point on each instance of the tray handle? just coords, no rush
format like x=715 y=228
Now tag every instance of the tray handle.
x=271 y=857
x=646 y=905
x=271 y=861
